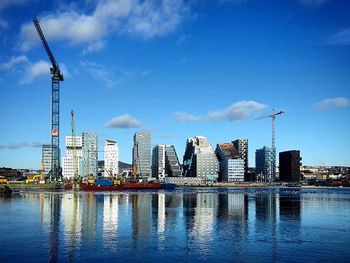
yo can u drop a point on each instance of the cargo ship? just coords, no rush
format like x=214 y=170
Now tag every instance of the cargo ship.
x=106 y=185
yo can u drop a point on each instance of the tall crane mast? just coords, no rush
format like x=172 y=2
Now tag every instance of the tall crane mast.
x=57 y=76
x=273 y=157
x=74 y=146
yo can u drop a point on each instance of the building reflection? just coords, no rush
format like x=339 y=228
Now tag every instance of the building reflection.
x=71 y=214
x=141 y=217
x=90 y=217
x=200 y=211
x=110 y=221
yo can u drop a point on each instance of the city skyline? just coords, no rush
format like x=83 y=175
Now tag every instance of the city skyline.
x=198 y=69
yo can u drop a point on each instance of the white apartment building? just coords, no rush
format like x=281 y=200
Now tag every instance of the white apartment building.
x=111 y=158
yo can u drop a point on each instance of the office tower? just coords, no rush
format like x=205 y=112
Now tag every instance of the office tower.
x=241 y=145
x=200 y=160
x=68 y=160
x=165 y=162
x=111 y=158
x=231 y=165
x=158 y=161
x=46 y=158
x=289 y=166
x=141 y=154
x=89 y=153
x=263 y=167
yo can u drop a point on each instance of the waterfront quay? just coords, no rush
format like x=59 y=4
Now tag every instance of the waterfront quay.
x=187 y=224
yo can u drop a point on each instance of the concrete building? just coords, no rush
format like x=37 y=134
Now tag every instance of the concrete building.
x=165 y=162
x=289 y=162
x=231 y=165
x=111 y=158
x=46 y=157
x=241 y=145
x=68 y=160
x=263 y=168
x=200 y=160
x=89 y=153
x=141 y=154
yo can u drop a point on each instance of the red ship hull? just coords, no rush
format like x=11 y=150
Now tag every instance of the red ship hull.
x=133 y=186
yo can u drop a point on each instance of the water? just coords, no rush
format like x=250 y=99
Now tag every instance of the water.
x=213 y=225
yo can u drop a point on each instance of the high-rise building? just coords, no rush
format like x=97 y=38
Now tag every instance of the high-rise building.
x=141 y=154
x=172 y=164
x=231 y=165
x=263 y=167
x=165 y=162
x=200 y=160
x=241 y=145
x=289 y=168
x=68 y=160
x=158 y=161
x=111 y=158
x=46 y=157
x=89 y=154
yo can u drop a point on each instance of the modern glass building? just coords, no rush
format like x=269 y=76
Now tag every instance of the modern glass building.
x=241 y=145
x=231 y=165
x=263 y=165
x=200 y=160
x=289 y=166
x=46 y=157
x=89 y=154
x=141 y=154
x=165 y=162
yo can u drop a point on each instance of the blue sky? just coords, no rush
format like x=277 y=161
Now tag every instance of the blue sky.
x=179 y=69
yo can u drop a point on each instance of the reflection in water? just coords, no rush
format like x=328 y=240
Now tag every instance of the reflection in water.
x=193 y=224
x=72 y=220
x=110 y=221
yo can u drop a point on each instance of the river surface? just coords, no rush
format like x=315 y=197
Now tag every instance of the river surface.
x=185 y=225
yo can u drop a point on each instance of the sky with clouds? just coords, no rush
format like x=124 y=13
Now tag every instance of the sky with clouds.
x=179 y=69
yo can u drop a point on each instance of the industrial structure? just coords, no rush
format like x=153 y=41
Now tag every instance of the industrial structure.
x=273 y=146
x=57 y=76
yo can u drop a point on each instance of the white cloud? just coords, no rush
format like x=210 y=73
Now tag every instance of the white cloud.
x=145 y=19
x=313 y=3
x=340 y=38
x=14 y=146
x=7 y=3
x=101 y=72
x=31 y=71
x=237 y=111
x=186 y=117
x=124 y=122
x=3 y=24
x=10 y=65
x=35 y=71
x=94 y=47
x=332 y=103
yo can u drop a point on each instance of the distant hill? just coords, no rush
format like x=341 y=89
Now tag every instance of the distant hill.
x=121 y=165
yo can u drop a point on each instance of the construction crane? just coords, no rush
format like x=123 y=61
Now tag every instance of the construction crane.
x=74 y=146
x=57 y=76
x=273 y=157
